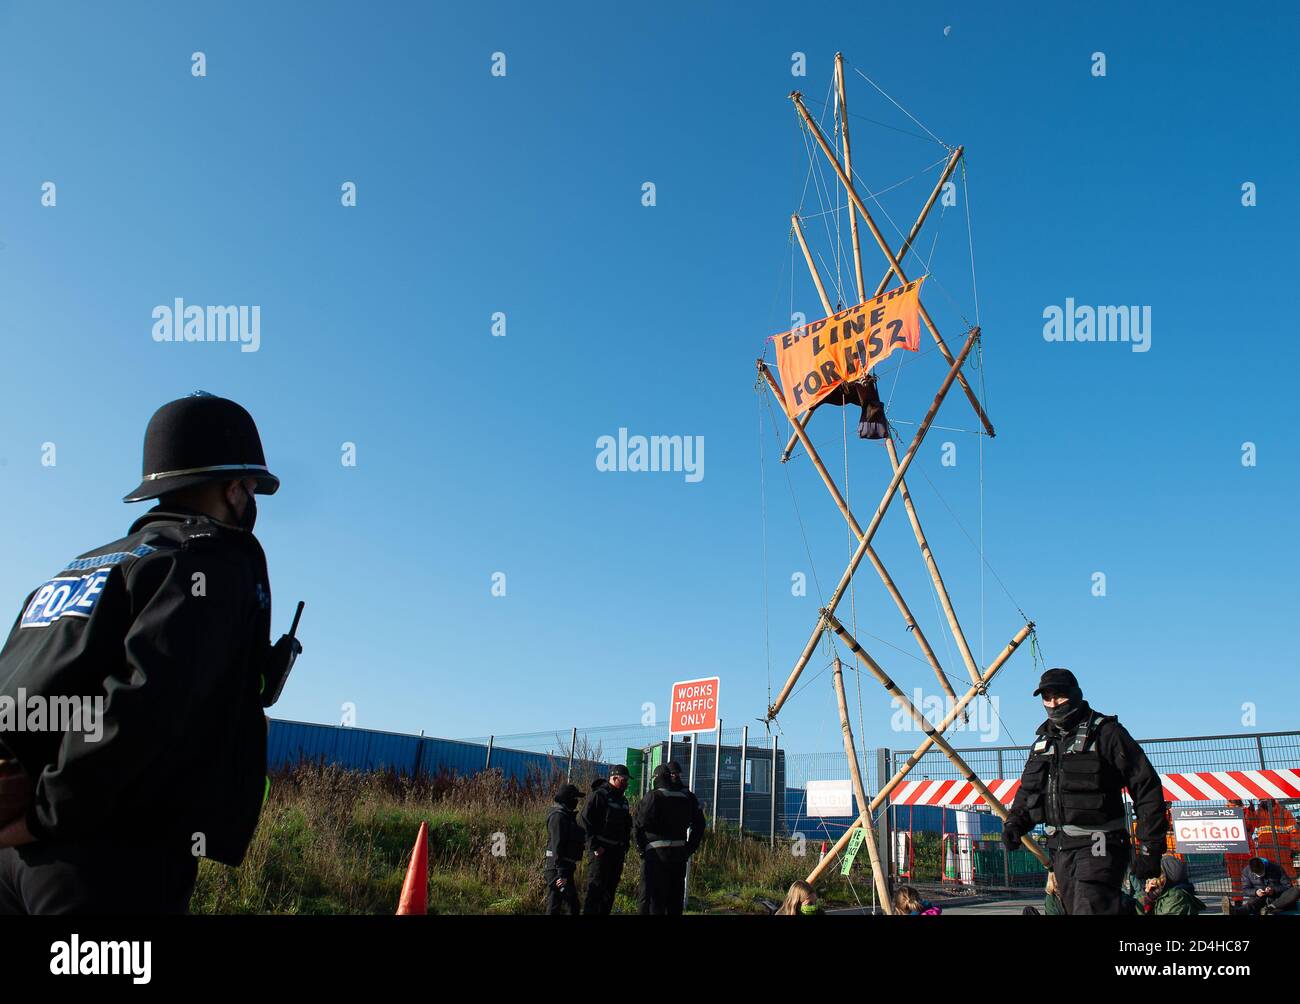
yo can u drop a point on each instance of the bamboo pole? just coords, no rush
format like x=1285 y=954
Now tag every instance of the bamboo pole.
x=876 y=563
x=807 y=256
x=864 y=817
x=897 y=267
x=925 y=211
x=883 y=794
x=870 y=532
x=848 y=169
x=967 y=774
x=933 y=568
x=907 y=244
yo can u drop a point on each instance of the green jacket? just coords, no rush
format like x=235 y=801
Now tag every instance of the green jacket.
x=1175 y=901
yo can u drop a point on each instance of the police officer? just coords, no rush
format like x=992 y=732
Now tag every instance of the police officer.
x=564 y=840
x=1078 y=766
x=162 y=639
x=669 y=827
x=607 y=819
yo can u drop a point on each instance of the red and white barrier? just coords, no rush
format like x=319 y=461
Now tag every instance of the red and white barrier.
x=1204 y=786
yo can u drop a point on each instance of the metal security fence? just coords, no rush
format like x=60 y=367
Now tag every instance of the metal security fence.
x=1254 y=751
x=1270 y=822
x=744 y=778
x=735 y=773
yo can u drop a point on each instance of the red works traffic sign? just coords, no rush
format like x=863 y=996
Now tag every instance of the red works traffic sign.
x=694 y=706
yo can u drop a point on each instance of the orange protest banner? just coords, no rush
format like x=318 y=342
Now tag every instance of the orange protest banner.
x=817 y=358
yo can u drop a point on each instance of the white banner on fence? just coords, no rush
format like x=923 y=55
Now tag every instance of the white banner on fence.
x=831 y=799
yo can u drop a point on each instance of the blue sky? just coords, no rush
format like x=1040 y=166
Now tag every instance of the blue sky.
x=522 y=194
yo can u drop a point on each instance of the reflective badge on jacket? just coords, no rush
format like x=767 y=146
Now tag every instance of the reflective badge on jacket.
x=71 y=596
x=76 y=595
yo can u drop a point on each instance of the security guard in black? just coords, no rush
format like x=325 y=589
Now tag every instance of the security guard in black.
x=668 y=828
x=564 y=840
x=607 y=820
x=1072 y=782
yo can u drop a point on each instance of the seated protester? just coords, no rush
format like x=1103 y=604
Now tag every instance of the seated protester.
x=908 y=902
x=1052 y=906
x=1051 y=901
x=800 y=900
x=1264 y=890
x=1170 y=895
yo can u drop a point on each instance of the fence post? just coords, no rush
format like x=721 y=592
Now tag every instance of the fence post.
x=573 y=745
x=686 y=886
x=772 y=782
x=419 y=755
x=487 y=764
x=1259 y=745
x=717 y=769
x=1006 y=851
x=744 y=752
x=884 y=769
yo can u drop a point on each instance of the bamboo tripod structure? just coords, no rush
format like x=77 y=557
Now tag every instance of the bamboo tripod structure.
x=897 y=486
x=860 y=792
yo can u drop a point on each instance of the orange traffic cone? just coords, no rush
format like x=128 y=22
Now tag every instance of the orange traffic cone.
x=415 y=890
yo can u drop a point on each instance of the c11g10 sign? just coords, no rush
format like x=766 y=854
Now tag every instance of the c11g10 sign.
x=1209 y=831
x=694 y=706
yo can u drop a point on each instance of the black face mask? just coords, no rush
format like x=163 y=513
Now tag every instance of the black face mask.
x=249 y=518
x=1061 y=713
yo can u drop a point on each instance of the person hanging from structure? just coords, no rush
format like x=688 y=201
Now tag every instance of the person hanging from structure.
x=872 y=423
x=563 y=852
x=1072 y=782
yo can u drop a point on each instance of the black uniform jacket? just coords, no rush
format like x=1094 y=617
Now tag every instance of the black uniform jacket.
x=1124 y=765
x=563 y=841
x=670 y=822
x=607 y=819
x=168 y=628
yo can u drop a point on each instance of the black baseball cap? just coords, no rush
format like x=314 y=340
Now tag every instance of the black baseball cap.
x=618 y=770
x=1058 y=680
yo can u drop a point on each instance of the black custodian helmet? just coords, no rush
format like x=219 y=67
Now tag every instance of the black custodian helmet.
x=201 y=438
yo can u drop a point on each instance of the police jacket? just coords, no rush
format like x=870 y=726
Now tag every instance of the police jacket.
x=662 y=820
x=607 y=819
x=564 y=840
x=159 y=636
x=1074 y=776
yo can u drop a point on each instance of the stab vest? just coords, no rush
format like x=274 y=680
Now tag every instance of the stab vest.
x=670 y=817
x=1070 y=786
x=617 y=828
